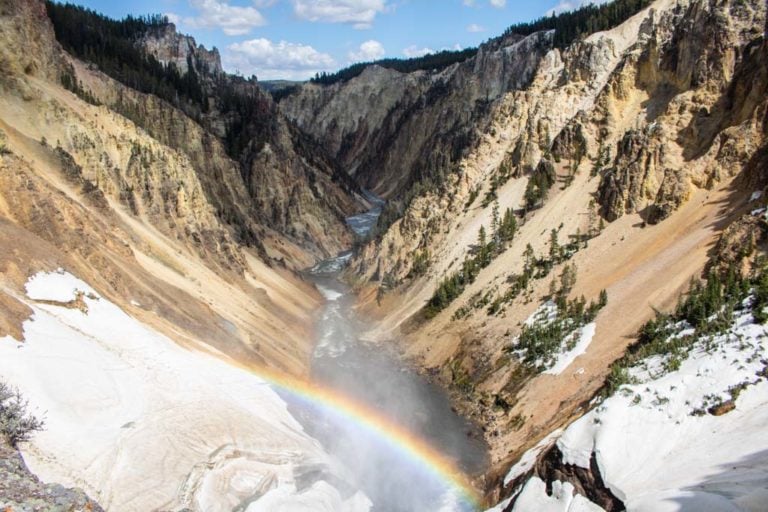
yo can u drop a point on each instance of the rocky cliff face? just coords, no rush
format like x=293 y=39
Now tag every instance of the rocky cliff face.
x=29 y=52
x=652 y=127
x=21 y=490
x=271 y=175
x=391 y=130
x=155 y=218
x=170 y=47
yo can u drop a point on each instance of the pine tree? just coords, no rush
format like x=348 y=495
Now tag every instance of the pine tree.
x=567 y=279
x=508 y=225
x=554 y=248
x=481 y=238
x=495 y=227
x=593 y=215
x=528 y=258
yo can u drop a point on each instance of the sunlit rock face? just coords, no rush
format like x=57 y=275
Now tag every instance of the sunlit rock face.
x=168 y=46
x=388 y=127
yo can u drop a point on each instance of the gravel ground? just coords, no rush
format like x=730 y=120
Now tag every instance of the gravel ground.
x=21 y=491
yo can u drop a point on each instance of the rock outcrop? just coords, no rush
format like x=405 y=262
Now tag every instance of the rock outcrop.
x=392 y=130
x=170 y=47
x=21 y=491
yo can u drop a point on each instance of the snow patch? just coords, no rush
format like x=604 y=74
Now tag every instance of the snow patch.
x=563 y=499
x=546 y=313
x=564 y=360
x=58 y=286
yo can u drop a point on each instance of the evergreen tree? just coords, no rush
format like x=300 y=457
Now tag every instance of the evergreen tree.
x=554 y=248
x=495 y=227
x=567 y=279
x=529 y=258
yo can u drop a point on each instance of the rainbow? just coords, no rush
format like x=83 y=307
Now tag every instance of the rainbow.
x=413 y=447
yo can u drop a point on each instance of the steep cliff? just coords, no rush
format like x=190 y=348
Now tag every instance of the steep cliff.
x=621 y=159
x=151 y=217
x=255 y=168
x=392 y=130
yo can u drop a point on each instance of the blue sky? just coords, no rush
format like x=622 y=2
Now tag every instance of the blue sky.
x=294 y=39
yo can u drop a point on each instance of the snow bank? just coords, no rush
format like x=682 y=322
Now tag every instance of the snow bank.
x=534 y=497
x=546 y=313
x=58 y=286
x=319 y=497
x=572 y=345
x=659 y=449
x=528 y=459
x=142 y=424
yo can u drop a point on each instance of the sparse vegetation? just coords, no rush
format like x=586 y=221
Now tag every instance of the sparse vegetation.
x=705 y=310
x=433 y=61
x=420 y=264
x=601 y=162
x=71 y=83
x=571 y=26
x=500 y=177
x=539 y=268
x=17 y=424
x=541 y=180
x=551 y=332
x=472 y=196
x=486 y=249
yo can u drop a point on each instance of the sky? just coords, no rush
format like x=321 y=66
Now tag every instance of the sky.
x=294 y=39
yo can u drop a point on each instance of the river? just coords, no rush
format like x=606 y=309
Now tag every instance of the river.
x=377 y=377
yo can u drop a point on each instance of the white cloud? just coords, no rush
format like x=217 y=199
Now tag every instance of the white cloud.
x=369 y=50
x=498 y=3
x=414 y=51
x=455 y=48
x=173 y=18
x=231 y=19
x=569 y=5
x=360 y=13
x=270 y=60
x=474 y=27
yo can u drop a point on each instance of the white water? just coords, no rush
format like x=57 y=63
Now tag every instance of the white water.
x=377 y=377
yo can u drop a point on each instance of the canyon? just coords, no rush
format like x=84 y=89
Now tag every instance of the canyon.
x=176 y=270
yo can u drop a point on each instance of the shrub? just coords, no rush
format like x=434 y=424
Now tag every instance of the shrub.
x=16 y=422
x=420 y=264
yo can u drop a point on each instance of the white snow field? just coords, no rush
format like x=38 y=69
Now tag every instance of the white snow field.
x=657 y=446
x=143 y=424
